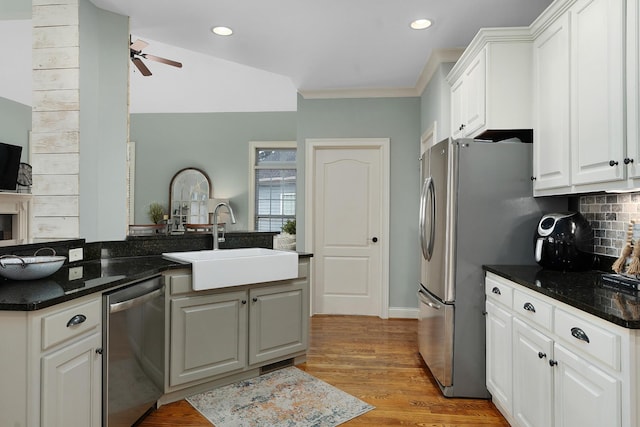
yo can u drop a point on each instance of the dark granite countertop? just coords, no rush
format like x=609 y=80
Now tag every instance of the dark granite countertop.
x=582 y=290
x=93 y=276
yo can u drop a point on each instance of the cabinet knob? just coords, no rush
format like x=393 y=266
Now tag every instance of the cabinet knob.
x=374 y=240
x=542 y=355
x=244 y=301
x=627 y=160
x=533 y=178
x=99 y=351
x=612 y=163
x=529 y=307
x=254 y=299
x=496 y=290
x=552 y=363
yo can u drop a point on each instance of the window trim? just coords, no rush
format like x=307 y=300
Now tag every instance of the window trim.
x=253 y=145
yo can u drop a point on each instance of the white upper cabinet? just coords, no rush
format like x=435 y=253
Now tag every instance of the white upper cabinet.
x=597 y=91
x=491 y=83
x=581 y=144
x=633 y=89
x=551 y=161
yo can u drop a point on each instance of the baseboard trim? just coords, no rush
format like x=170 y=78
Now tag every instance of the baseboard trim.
x=403 y=313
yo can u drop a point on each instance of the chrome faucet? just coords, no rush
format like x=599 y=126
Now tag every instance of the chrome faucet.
x=215 y=222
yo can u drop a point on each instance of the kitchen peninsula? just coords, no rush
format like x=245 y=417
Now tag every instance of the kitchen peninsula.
x=56 y=327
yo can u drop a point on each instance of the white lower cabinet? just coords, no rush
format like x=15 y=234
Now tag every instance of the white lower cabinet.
x=567 y=368
x=532 y=376
x=499 y=371
x=70 y=396
x=585 y=395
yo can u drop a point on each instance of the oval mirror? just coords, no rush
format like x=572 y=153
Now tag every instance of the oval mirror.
x=189 y=195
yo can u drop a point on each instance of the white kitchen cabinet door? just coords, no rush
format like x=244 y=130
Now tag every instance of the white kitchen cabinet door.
x=633 y=90
x=457 y=99
x=72 y=385
x=499 y=347
x=468 y=98
x=475 y=87
x=585 y=395
x=551 y=148
x=532 y=376
x=597 y=91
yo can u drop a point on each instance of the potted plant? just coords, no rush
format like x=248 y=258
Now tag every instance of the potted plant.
x=156 y=212
x=287 y=239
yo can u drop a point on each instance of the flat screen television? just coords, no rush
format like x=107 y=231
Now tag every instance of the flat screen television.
x=9 y=164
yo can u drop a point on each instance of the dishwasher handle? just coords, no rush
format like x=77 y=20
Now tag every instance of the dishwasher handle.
x=136 y=300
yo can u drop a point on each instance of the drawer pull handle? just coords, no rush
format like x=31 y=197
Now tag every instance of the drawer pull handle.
x=579 y=334
x=496 y=291
x=542 y=355
x=529 y=307
x=76 y=320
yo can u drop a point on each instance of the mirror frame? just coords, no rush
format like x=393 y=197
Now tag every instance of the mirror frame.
x=175 y=226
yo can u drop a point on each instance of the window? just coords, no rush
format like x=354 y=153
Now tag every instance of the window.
x=273 y=184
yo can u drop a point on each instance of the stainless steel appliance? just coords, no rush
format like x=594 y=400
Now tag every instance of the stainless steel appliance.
x=476 y=207
x=133 y=359
x=564 y=241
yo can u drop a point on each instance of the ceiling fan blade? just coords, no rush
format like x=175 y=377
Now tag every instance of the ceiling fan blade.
x=138 y=45
x=163 y=60
x=140 y=65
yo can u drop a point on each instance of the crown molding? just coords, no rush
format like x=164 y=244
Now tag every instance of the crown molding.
x=437 y=57
x=482 y=38
x=359 y=93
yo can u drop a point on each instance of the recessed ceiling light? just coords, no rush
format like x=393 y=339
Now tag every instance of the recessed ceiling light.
x=222 y=31
x=420 y=24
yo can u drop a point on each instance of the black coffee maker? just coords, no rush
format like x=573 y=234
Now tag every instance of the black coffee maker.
x=564 y=241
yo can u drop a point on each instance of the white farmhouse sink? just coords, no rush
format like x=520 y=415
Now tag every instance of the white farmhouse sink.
x=231 y=267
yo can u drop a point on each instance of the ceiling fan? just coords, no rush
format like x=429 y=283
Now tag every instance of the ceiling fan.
x=135 y=53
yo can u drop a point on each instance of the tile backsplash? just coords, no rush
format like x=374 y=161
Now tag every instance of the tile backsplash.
x=609 y=215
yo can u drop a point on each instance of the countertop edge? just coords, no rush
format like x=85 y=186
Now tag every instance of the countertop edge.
x=500 y=271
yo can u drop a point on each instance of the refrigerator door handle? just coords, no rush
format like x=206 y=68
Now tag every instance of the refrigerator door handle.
x=423 y=245
x=430 y=215
x=428 y=300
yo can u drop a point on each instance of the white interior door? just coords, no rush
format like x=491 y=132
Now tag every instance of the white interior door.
x=348 y=221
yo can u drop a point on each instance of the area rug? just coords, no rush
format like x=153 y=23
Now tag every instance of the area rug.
x=287 y=397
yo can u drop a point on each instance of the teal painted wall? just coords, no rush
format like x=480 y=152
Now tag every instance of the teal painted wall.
x=15 y=124
x=104 y=59
x=217 y=143
x=399 y=120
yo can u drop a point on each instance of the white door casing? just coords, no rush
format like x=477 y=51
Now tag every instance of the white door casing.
x=346 y=207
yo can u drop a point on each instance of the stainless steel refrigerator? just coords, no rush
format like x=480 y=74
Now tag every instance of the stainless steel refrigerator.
x=476 y=208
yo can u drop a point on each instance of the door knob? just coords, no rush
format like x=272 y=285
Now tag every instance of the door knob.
x=374 y=240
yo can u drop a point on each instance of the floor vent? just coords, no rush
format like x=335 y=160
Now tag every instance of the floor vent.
x=275 y=366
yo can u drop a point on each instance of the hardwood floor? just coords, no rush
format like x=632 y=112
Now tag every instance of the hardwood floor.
x=377 y=361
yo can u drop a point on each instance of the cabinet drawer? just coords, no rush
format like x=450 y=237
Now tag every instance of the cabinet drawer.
x=581 y=334
x=498 y=292
x=532 y=308
x=68 y=323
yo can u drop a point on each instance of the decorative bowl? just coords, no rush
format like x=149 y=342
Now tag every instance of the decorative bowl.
x=30 y=267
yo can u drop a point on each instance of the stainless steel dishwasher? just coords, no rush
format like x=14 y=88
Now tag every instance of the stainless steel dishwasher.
x=133 y=359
